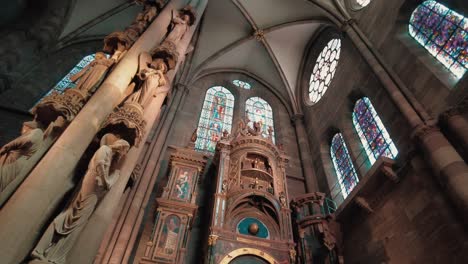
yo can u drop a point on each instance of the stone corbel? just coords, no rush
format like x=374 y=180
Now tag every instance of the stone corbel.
x=363 y=204
x=387 y=170
x=370 y=191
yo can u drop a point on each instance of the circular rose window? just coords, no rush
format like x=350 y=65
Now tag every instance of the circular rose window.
x=324 y=70
x=362 y=3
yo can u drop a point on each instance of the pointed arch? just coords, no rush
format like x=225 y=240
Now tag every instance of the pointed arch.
x=343 y=165
x=372 y=133
x=259 y=110
x=444 y=33
x=215 y=118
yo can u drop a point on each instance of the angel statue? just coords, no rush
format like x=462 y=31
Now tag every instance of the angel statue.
x=62 y=233
x=151 y=74
x=15 y=154
x=180 y=25
x=89 y=78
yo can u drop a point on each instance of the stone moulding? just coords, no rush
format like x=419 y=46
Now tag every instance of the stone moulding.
x=167 y=51
x=127 y=121
x=67 y=104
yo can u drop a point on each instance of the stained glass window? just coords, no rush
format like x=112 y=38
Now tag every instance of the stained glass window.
x=444 y=33
x=372 y=132
x=347 y=176
x=324 y=70
x=242 y=84
x=65 y=82
x=362 y=3
x=216 y=116
x=258 y=110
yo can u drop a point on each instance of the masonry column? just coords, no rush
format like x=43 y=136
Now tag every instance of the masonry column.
x=304 y=151
x=87 y=246
x=29 y=209
x=117 y=249
x=449 y=168
x=457 y=125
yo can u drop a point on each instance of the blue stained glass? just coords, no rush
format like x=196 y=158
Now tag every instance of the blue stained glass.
x=347 y=176
x=65 y=82
x=444 y=33
x=258 y=110
x=216 y=116
x=373 y=134
x=241 y=84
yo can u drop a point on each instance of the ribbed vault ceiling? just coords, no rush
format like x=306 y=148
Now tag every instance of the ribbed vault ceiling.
x=226 y=39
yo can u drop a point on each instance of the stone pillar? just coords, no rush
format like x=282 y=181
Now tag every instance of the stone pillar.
x=304 y=151
x=36 y=199
x=457 y=126
x=88 y=243
x=121 y=236
x=449 y=168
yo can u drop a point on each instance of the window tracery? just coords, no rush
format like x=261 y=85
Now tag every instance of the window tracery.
x=258 y=110
x=372 y=133
x=242 y=84
x=444 y=33
x=215 y=118
x=363 y=3
x=324 y=70
x=344 y=168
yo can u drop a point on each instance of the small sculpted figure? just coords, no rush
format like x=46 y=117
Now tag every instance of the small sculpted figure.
x=151 y=73
x=90 y=76
x=62 y=233
x=15 y=154
x=180 y=25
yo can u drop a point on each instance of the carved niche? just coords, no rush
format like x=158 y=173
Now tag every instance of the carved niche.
x=176 y=208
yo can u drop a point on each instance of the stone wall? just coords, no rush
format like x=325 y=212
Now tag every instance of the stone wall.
x=386 y=25
x=37 y=82
x=412 y=224
x=415 y=222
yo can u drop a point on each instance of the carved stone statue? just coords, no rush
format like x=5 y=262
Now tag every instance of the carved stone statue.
x=62 y=233
x=151 y=74
x=118 y=42
x=90 y=76
x=282 y=199
x=16 y=153
x=180 y=25
x=224 y=186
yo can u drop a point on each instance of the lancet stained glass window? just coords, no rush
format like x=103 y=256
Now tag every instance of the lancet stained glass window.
x=216 y=116
x=372 y=132
x=444 y=33
x=347 y=176
x=258 y=110
x=324 y=70
x=242 y=84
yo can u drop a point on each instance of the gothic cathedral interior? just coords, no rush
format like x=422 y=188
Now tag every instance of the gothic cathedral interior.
x=234 y=131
